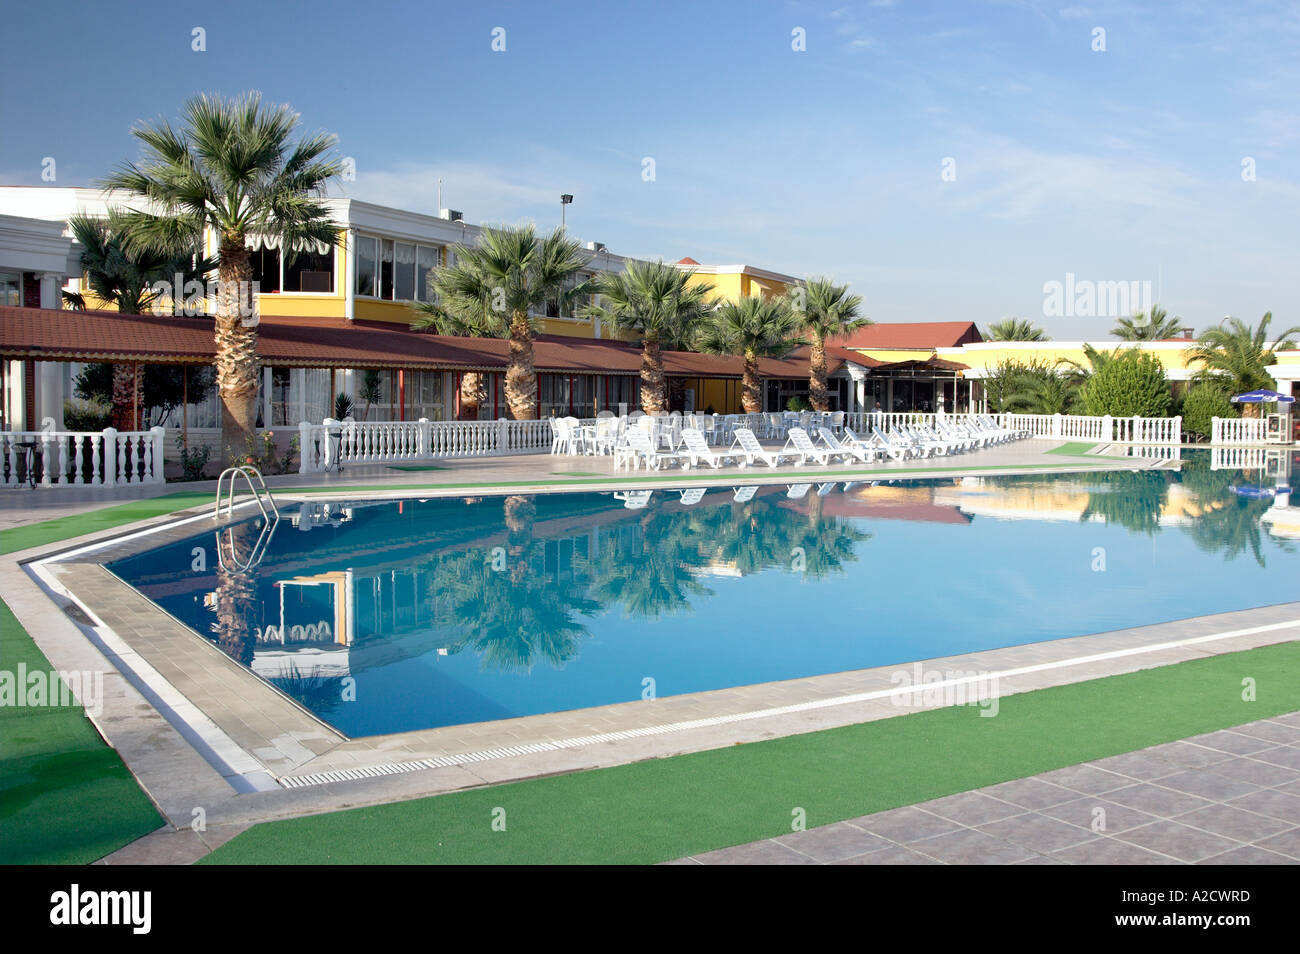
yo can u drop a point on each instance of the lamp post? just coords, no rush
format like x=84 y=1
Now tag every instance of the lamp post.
x=565 y=200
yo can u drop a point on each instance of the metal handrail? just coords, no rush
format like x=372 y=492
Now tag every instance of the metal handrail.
x=249 y=472
x=234 y=564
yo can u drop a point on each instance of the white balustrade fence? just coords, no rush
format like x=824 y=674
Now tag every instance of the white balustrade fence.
x=1119 y=430
x=326 y=445
x=106 y=458
x=1237 y=430
x=1240 y=458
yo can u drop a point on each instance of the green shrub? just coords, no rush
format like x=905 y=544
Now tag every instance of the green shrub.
x=1132 y=384
x=1203 y=402
x=798 y=404
x=193 y=460
x=86 y=415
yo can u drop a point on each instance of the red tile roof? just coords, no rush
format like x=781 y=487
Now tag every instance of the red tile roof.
x=912 y=334
x=687 y=261
x=59 y=335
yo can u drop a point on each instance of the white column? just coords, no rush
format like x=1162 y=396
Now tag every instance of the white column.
x=350 y=275
x=51 y=283
x=15 y=398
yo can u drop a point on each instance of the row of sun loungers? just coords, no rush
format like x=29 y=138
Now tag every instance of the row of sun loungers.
x=902 y=442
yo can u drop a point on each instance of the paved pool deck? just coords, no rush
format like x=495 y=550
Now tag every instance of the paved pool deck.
x=199 y=731
x=1224 y=798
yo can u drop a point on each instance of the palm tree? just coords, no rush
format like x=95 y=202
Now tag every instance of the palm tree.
x=657 y=302
x=1234 y=355
x=435 y=317
x=825 y=310
x=230 y=168
x=1154 y=325
x=1052 y=393
x=504 y=278
x=125 y=278
x=752 y=328
x=1016 y=329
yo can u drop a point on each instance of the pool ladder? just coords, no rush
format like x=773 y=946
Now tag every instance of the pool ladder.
x=265 y=502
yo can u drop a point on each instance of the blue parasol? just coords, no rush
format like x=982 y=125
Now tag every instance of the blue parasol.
x=1261 y=396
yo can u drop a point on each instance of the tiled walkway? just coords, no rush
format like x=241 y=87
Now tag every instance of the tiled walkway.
x=1229 y=797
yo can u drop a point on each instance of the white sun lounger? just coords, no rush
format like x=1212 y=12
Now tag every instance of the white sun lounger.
x=894 y=447
x=804 y=447
x=636 y=447
x=634 y=499
x=797 y=491
x=744 y=494
x=854 y=448
x=752 y=450
x=692 y=496
x=698 y=449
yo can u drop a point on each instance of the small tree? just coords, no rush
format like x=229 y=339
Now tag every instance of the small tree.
x=1130 y=384
x=370 y=391
x=752 y=328
x=1016 y=329
x=1010 y=382
x=1203 y=402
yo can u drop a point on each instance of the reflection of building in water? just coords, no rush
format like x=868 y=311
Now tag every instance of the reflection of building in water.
x=1058 y=500
x=314 y=632
x=332 y=513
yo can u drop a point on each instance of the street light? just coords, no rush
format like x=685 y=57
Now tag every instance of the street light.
x=565 y=199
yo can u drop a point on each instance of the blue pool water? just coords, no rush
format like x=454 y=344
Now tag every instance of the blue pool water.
x=387 y=616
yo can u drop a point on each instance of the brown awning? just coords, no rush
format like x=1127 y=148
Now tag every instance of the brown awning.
x=63 y=335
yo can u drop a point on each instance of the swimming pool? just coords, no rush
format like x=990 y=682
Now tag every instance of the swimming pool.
x=394 y=615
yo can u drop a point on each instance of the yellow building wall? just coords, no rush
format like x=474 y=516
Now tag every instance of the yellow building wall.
x=726 y=287
x=1048 y=352
x=311 y=306
x=737 y=285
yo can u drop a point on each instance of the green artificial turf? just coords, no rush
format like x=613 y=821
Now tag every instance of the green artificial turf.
x=61 y=528
x=65 y=796
x=669 y=808
x=1074 y=449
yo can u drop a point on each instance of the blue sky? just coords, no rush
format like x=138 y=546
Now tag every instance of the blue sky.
x=1115 y=165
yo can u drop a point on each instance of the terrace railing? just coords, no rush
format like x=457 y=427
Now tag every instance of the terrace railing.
x=106 y=458
x=1118 y=430
x=1238 y=430
x=332 y=443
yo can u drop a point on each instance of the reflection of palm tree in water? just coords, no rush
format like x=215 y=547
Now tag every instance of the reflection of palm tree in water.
x=654 y=573
x=1132 y=499
x=233 y=597
x=511 y=618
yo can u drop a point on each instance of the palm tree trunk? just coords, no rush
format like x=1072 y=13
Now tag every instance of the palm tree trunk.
x=521 y=374
x=126 y=396
x=654 y=397
x=520 y=514
x=471 y=395
x=236 y=340
x=817 y=375
x=751 y=397
x=233 y=597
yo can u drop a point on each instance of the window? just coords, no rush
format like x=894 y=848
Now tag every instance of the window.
x=266 y=269
x=310 y=272
x=281 y=401
x=393 y=270
x=366 y=272
x=405 y=269
x=425 y=262
x=11 y=289
x=386 y=268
